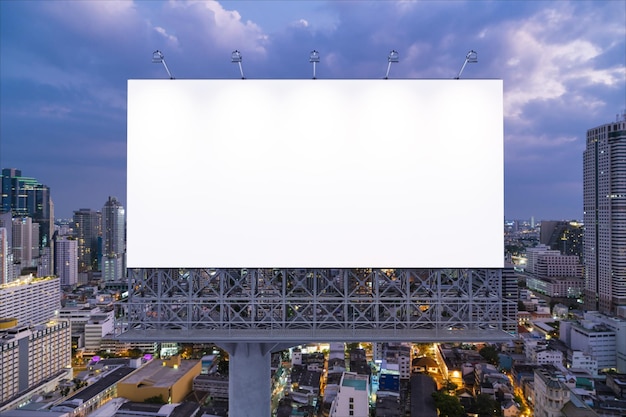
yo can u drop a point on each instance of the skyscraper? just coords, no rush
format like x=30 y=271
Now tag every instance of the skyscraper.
x=87 y=226
x=114 y=245
x=604 y=205
x=27 y=197
x=66 y=252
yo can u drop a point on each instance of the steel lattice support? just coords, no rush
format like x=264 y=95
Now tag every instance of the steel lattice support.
x=308 y=305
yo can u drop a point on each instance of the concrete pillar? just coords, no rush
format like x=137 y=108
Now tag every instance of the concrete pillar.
x=249 y=379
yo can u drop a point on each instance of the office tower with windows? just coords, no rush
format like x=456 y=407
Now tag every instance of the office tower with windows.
x=114 y=244
x=27 y=197
x=87 y=225
x=604 y=205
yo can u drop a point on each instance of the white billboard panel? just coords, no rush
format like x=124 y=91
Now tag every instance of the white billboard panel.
x=315 y=173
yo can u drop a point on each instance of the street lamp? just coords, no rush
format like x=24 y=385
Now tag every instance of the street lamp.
x=235 y=58
x=314 y=58
x=158 y=58
x=471 y=58
x=392 y=58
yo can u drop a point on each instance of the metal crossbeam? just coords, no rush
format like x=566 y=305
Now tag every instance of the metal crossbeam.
x=307 y=305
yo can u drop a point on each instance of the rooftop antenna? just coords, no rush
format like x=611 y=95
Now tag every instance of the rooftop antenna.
x=393 y=57
x=314 y=58
x=471 y=58
x=235 y=58
x=158 y=58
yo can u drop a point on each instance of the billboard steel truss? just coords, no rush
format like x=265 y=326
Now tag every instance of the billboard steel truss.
x=294 y=305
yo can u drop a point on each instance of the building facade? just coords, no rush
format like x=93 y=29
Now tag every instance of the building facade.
x=31 y=300
x=604 y=206
x=27 y=197
x=87 y=225
x=66 y=252
x=30 y=355
x=114 y=245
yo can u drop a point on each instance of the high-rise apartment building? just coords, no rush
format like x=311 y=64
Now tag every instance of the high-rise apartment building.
x=25 y=242
x=66 y=252
x=87 y=225
x=30 y=300
x=6 y=252
x=604 y=205
x=113 y=242
x=27 y=197
x=32 y=355
x=566 y=237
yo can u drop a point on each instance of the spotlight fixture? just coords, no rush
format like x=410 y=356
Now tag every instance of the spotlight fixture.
x=314 y=58
x=392 y=58
x=235 y=58
x=470 y=58
x=158 y=58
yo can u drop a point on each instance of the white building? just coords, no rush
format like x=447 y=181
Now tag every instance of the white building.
x=533 y=255
x=584 y=361
x=98 y=326
x=594 y=339
x=66 y=262
x=548 y=356
x=550 y=393
x=31 y=355
x=352 y=397
x=25 y=242
x=604 y=201
x=30 y=300
x=617 y=325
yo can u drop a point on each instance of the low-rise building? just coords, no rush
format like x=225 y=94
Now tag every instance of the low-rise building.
x=171 y=379
x=353 y=396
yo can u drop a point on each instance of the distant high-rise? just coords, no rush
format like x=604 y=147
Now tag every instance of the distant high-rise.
x=25 y=237
x=27 y=197
x=566 y=237
x=66 y=252
x=604 y=205
x=114 y=242
x=87 y=226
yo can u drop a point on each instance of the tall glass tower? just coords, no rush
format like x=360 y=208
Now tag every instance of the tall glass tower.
x=87 y=225
x=604 y=205
x=113 y=236
x=27 y=197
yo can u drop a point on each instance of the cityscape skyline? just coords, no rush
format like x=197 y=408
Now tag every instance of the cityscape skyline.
x=63 y=87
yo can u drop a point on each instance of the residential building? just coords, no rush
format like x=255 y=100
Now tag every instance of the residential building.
x=31 y=355
x=582 y=360
x=533 y=255
x=566 y=237
x=550 y=394
x=25 y=242
x=114 y=244
x=5 y=246
x=352 y=397
x=30 y=300
x=604 y=208
x=66 y=252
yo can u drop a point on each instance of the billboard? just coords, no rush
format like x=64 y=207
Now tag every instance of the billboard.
x=315 y=173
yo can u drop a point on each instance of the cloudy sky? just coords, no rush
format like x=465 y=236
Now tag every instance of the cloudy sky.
x=64 y=68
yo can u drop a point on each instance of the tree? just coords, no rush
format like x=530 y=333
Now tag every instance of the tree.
x=157 y=399
x=490 y=354
x=448 y=405
x=486 y=406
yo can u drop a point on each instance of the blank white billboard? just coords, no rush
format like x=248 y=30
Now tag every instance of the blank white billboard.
x=315 y=173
